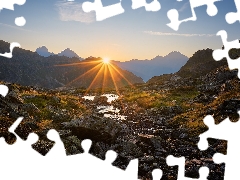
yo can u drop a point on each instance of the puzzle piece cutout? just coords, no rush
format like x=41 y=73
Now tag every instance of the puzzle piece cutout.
x=102 y=12
x=11 y=112
x=232 y=17
x=110 y=160
x=107 y=2
x=153 y=6
x=9 y=4
x=229 y=131
x=157 y=174
x=180 y=162
x=4 y=91
x=44 y=144
x=110 y=157
x=56 y=165
x=19 y=21
x=219 y=54
x=9 y=54
x=173 y=14
x=58 y=149
x=23 y=146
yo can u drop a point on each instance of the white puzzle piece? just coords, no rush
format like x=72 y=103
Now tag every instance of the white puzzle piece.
x=3 y=90
x=12 y=46
x=153 y=6
x=180 y=162
x=173 y=14
x=9 y=4
x=28 y=164
x=226 y=130
x=157 y=174
x=219 y=54
x=103 y=13
x=56 y=165
x=19 y=21
x=232 y=17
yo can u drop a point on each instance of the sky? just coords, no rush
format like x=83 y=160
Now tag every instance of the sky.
x=135 y=34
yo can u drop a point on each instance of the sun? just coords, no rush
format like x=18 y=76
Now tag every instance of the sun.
x=106 y=60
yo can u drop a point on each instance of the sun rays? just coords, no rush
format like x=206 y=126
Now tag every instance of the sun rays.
x=102 y=73
x=106 y=60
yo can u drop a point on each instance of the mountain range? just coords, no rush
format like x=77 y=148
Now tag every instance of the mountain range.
x=29 y=68
x=199 y=64
x=43 y=51
x=53 y=71
x=145 y=69
x=159 y=65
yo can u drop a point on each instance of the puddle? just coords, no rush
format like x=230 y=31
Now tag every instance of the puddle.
x=91 y=98
x=111 y=97
x=108 y=111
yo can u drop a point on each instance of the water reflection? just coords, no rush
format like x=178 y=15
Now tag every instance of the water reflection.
x=108 y=111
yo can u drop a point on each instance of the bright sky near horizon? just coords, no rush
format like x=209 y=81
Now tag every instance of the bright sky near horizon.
x=135 y=34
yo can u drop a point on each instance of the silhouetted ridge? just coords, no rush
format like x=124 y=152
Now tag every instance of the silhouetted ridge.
x=200 y=63
x=43 y=51
x=29 y=68
x=159 y=65
x=68 y=53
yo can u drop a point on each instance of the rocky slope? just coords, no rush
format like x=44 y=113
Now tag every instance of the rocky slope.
x=199 y=64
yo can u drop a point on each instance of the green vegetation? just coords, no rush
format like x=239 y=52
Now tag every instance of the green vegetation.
x=153 y=99
x=50 y=109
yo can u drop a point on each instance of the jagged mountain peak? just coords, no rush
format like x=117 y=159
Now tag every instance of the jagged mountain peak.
x=175 y=54
x=43 y=51
x=68 y=53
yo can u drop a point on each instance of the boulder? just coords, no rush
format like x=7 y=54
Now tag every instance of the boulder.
x=94 y=128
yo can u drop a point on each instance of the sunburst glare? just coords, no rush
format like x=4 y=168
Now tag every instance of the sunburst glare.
x=106 y=60
x=102 y=73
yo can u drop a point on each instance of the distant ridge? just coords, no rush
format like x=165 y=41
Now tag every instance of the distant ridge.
x=43 y=51
x=68 y=53
x=159 y=65
x=30 y=69
x=200 y=64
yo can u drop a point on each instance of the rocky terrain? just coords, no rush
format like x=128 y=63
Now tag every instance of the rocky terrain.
x=162 y=117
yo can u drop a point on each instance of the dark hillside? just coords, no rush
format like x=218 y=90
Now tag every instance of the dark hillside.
x=29 y=68
x=199 y=64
